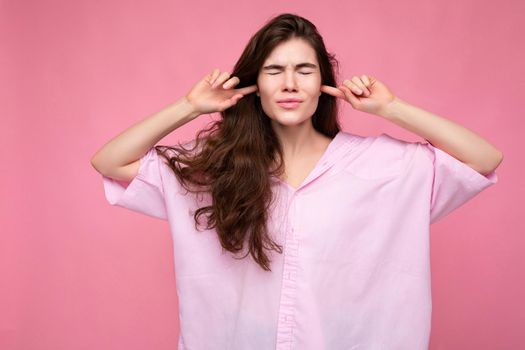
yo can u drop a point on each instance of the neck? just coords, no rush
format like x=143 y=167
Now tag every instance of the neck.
x=299 y=141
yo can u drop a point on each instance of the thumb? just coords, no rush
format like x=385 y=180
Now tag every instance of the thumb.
x=231 y=101
x=354 y=101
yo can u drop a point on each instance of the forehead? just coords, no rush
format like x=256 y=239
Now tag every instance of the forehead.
x=292 y=51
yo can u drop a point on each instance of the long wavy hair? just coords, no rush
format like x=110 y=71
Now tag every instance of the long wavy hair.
x=235 y=158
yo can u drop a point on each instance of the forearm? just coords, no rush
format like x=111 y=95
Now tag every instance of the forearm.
x=134 y=142
x=453 y=138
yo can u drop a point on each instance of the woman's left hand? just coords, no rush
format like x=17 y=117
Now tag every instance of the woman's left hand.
x=365 y=93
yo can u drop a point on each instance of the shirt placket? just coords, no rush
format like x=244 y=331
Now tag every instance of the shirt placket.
x=286 y=319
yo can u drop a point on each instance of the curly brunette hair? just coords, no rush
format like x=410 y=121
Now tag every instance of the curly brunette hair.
x=241 y=151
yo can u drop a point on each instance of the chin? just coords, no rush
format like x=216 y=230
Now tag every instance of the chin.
x=289 y=121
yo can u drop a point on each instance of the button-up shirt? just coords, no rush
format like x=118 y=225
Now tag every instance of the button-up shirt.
x=355 y=268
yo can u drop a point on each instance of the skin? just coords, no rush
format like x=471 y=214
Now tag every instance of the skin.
x=303 y=145
x=292 y=126
x=367 y=94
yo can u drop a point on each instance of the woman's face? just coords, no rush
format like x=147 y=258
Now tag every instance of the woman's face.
x=291 y=71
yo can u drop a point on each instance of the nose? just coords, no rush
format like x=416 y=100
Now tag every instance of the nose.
x=289 y=83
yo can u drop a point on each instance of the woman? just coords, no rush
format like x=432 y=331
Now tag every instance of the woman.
x=343 y=219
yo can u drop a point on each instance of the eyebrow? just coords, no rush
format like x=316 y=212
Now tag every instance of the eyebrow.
x=297 y=66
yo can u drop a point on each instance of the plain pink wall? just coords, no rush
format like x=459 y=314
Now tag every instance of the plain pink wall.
x=77 y=273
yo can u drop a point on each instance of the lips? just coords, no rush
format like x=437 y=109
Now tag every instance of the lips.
x=289 y=100
x=289 y=104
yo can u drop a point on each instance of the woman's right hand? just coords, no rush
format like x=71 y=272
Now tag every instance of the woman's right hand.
x=214 y=92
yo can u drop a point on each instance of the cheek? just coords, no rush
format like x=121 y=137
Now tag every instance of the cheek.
x=315 y=85
x=268 y=86
x=312 y=87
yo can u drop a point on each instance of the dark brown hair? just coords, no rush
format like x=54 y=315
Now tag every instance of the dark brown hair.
x=240 y=152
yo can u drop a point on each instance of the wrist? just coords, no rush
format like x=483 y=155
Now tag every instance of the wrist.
x=392 y=109
x=188 y=108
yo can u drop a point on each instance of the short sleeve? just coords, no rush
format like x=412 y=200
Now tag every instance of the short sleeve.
x=145 y=193
x=453 y=182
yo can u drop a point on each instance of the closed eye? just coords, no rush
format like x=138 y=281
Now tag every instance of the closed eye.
x=299 y=73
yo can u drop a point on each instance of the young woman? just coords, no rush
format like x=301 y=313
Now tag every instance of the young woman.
x=336 y=224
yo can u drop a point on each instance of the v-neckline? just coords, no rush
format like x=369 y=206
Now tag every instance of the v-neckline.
x=321 y=160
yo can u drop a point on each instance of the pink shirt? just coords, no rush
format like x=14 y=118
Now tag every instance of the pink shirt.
x=355 y=272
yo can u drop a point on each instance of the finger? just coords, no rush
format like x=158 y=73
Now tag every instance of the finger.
x=231 y=82
x=231 y=101
x=349 y=95
x=247 y=90
x=357 y=81
x=214 y=75
x=220 y=79
x=353 y=87
x=333 y=91
x=365 y=80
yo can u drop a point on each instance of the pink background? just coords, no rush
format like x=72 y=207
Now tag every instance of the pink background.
x=76 y=273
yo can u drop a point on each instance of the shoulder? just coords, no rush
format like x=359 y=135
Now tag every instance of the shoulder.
x=378 y=145
x=378 y=156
